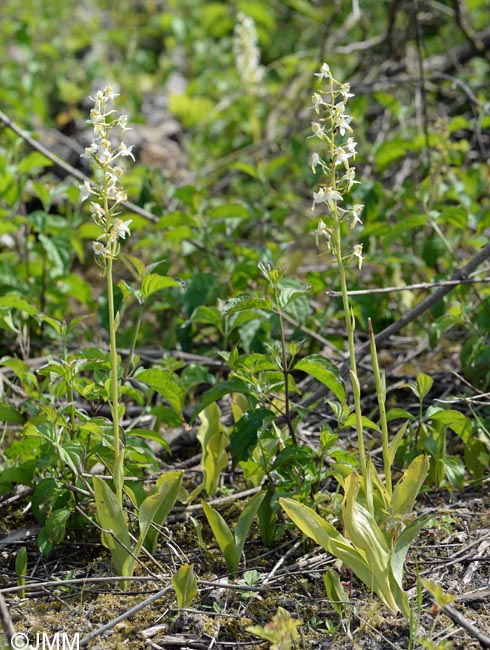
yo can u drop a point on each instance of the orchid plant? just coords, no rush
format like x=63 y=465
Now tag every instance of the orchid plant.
x=107 y=199
x=377 y=518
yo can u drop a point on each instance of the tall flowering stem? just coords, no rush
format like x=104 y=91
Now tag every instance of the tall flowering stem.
x=106 y=199
x=332 y=127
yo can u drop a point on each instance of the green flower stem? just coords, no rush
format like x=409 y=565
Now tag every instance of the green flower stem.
x=130 y=360
x=349 y=323
x=380 y=384
x=118 y=473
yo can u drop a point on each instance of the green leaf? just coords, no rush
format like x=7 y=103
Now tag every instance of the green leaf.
x=243 y=437
x=424 y=384
x=165 y=383
x=351 y=421
x=454 y=420
x=155 y=282
x=325 y=372
x=408 y=487
x=73 y=454
x=246 y=301
x=21 y=568
x=250 y=170
x=224 y=537
x=33 y=161
x=228 y=211
x=220 y=390
x=409 y=532
x=56 y=525
x=14 y=301
x=395 y=442
x=441 y=597
x=336 y=594
x=112 y=517
x=208 y=315
x=184 y=582
x=390 y=151
x=245 y=520
x=214 y=442
x=454 y=471
x=329 y=538
x=10 y=414
x=155 y=508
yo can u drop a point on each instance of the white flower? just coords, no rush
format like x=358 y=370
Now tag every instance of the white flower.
x=247 y=53
x=317 y=101
x=351 y=145
x=121 y=228
x=99 y=248
x=345 y=91
x=325 y=195
x=324 y=72
x=318 y=131
x=97 y=212
x=125 y=151
x=342 y=157
x=85 y=191
x=355 y=215
x=342 y=122
x=315 y=160
x=324 y=233
x=348 y=178
x=358 y=254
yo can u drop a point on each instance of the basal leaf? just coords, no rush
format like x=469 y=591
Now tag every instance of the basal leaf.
x=156 y=507
x=184 y=582
x=224 y=537
x=408 y=487
x=245 y=521
x=112 y=518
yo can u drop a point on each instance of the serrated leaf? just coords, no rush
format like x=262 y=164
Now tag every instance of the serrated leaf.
x=325 y=372
x=246 y=301
x=165 y=383
x=155 y=282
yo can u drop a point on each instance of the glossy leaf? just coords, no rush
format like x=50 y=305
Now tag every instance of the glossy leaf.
x=325 y=372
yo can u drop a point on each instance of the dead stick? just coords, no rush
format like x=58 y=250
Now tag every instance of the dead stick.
x=6 y=620
x=472 y=630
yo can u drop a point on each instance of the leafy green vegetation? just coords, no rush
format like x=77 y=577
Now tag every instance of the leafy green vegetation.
x=305 y=180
